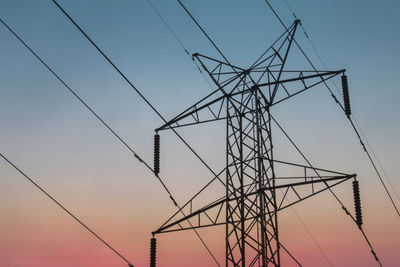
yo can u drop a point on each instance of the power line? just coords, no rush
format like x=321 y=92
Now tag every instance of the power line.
x=354 y=118
x=132 y=86
x=82 y=101
x=169 y=27
x=62 y=207
x=375 y=167
x=311 y=236
x=121 y=75
x=344 y=208
x=207 y=36
x=377 y=159
x=106 y=125
x=351 y=121
x=171 y=32
x=203 y=31
x=174 y=34
x=212 y=42
x=179 y=40
x=330 y=189
x=99 y=118
x=294 y=210
x=153 y=108
x=187 y=52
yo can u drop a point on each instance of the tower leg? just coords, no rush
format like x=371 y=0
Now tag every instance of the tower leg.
x=251 y=228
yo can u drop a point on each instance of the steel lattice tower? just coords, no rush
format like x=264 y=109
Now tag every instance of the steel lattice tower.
x=244 y=98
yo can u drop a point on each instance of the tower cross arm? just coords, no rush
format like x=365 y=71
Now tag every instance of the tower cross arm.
x=320 y=74
x=210 y=215
x=193 y=112
x=305 y=82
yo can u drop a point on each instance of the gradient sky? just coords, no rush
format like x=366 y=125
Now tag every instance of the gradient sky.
x=46 y=132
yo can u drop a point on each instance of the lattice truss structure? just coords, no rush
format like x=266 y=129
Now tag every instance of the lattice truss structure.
x=255 y=192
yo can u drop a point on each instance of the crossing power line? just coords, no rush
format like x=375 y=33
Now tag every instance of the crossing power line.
x=357 y=128
x=241 y=109
x=246 y=108
x=353 y=122
x=111 y=130
x=63 y=207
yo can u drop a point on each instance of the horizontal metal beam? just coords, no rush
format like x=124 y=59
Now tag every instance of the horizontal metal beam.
x=222 y=201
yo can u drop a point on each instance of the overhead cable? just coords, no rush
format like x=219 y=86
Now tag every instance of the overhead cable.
x=62 y=207
x=220 y=52
x=353 y=116
x=132 y=86
x=106 y=125
x=330 y=189
x=213 y=43
x=342 y=107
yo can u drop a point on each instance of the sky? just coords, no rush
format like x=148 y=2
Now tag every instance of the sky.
x=56 y=141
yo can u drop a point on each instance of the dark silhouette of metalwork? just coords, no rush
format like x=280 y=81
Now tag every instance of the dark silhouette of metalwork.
x=245 y=194
x=357 y=203
x=346 y=97
x=153 y=252
x=249 y=209
x=156 y=154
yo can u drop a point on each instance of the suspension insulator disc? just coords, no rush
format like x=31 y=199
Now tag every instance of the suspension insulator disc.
x=157 y=154
x=357 y=203
x=153 y=250
x=346 y=96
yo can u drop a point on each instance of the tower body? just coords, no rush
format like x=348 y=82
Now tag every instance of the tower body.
x=244 y=98
x=252 y=222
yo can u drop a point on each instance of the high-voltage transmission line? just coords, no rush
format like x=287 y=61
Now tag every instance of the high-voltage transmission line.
x=244 y=99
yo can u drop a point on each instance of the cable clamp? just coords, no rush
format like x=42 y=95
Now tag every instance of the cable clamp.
x=173 y=200
x=363 y=145
x=334 y=97
x=345 y=210
x=373 y=253
x=137 y=156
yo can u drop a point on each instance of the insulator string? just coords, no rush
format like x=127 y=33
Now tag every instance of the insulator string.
x=346 y=96
x=352 y=120
x=153 y=252
x=330 y=189
x=157 y=154
x=357 y=203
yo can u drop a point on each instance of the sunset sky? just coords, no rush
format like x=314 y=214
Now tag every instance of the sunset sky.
x=47 y=133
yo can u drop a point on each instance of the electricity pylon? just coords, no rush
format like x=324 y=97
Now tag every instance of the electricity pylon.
x=255 y=193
